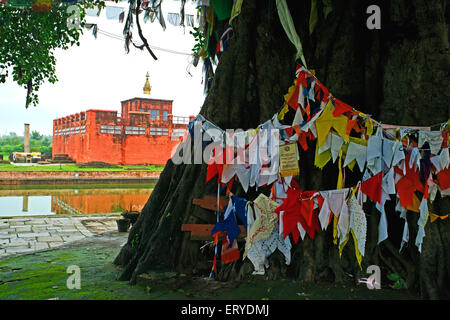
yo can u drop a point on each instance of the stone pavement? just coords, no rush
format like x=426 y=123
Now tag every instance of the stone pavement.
x=30 y=234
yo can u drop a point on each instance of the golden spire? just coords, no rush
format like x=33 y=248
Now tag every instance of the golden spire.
x=147 y=87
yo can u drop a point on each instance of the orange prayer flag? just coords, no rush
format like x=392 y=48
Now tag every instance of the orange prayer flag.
x=308 y=112
x=350 y=125
x=216 y=237
x=414 y=206
x=433 y=217
x=293 y=100
x=296 y=128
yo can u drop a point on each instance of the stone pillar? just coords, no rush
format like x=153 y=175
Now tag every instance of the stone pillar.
x=25 y=204
x=26 y=138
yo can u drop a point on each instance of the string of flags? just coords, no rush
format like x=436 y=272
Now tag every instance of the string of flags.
x=411 y=164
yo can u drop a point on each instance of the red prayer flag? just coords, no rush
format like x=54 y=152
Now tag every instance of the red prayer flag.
x=408 y=184
x=288 y=131
x=340 y=107
x=301 y=137
x=215 y=168
x=324 y=90
x=443 y=177
x=445 y=135
x=372 y=187
x=301 y=79
x=229 y=255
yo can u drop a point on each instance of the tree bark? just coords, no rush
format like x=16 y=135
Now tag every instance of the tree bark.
x=397 y=74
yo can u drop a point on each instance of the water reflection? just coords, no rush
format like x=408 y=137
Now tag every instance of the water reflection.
x=76 y=200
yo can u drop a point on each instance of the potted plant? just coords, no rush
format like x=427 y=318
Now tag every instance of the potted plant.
x=131 y=215
x=123 y=224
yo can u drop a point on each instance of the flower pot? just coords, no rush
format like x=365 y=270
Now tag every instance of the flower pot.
x=131 y=215
x=123 y=225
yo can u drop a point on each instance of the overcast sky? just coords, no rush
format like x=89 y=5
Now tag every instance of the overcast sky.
x=98 y=75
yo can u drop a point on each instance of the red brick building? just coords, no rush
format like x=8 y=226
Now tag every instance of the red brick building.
x=145 y=133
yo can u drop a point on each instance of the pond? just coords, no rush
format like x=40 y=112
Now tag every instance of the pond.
x=74 y=200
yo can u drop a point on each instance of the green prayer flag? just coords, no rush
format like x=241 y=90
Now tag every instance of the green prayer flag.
x=222 y=8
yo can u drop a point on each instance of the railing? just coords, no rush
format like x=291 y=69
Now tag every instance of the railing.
x=180 y=120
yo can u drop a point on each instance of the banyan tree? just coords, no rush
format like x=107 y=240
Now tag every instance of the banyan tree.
x=394 y=69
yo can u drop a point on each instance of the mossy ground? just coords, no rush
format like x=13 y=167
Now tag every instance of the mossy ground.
x=43 y=275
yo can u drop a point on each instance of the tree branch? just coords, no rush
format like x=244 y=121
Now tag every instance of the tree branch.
x=141 y=35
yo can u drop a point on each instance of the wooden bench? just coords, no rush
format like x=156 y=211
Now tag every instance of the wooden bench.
x=203 y=231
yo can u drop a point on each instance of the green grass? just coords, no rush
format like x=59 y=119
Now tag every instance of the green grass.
x=74 y=167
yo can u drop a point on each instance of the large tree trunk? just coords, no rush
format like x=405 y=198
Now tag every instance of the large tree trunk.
x=397 y=74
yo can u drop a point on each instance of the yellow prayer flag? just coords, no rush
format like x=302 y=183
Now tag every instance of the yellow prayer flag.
x=369 y=127
x=340 y=183
x=290 y=92
x=283 y=112
x=327 y=120
x=320 y=160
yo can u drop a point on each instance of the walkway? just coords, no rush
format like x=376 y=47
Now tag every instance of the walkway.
x=25 y=235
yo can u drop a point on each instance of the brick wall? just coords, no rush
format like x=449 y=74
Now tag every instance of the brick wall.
x=94 y=144
x=24 y=177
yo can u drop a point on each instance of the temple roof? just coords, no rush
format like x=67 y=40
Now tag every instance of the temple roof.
x=146 y=99
x=147 y=87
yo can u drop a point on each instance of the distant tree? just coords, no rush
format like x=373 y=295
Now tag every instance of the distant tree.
x=29 y=38
x=7 y=148
x=16 y=140
x=45 y=150
x=36 y=135
x=47 y=141
x=38 y=143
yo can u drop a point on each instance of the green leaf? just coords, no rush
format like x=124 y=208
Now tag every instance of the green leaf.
x=29 y=39
x=393 y=277
x=327 y=7
x=313 y=16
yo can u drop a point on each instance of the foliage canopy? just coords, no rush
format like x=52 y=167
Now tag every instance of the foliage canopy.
x=29 y=38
